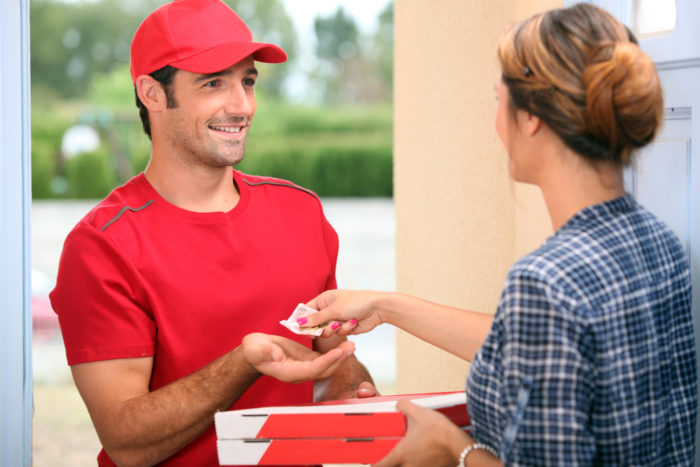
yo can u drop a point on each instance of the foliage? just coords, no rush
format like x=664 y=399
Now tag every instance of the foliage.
x=70 y=41
x=270 y=22
x=90 y=175
x=354 y=69
x=383 y=41
x=113 y=89
x=336 y=36
x=47 y=130
x=112 y=111
x=48 y=164
x=73 y=41
x=354 y=170
x=80 y=75
x=333 y=151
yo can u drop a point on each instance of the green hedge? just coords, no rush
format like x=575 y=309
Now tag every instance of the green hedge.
x=90 y=175
x=328 y=170
x=334 y=152
x=47 y=130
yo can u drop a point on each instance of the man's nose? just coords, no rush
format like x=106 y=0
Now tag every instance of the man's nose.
x=239 y=101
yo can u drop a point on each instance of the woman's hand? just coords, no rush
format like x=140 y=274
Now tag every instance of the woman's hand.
x=346 y=312
x=431 y=439
x=289 y=361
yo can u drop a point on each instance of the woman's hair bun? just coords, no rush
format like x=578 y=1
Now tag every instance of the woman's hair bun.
x=587 y=79
x=624 y=99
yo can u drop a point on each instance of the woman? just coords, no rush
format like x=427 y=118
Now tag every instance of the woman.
x=590 y=357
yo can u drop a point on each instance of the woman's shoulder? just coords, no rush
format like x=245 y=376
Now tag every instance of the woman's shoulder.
x=604 y=251
x=548 y=262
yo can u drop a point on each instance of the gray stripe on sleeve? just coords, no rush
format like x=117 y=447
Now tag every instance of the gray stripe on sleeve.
x=122 y=211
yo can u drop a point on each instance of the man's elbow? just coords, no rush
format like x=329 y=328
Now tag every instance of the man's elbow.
x=126 y=448
x=125 y=456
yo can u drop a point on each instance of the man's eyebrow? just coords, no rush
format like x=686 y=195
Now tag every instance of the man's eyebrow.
x=227 y=72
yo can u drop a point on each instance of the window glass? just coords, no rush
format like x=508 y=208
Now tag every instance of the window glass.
x=653 y=18
x=332 y=107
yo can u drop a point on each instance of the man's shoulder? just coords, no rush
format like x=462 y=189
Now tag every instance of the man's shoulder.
x=272 y=183
x=128 y=197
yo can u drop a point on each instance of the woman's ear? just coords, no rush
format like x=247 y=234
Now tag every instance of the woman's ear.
x=532 y=124
x=151 y=93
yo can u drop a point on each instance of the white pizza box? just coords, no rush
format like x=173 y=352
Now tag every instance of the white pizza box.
x=343 y=431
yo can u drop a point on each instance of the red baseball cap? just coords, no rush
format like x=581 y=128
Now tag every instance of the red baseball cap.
x=201 y=36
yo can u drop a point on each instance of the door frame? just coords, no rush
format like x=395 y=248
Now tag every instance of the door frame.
x=16 y=406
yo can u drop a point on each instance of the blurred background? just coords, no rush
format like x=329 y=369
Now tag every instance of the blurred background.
x=324 y=121
x=326 y=111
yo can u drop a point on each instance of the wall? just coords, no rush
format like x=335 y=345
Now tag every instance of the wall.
x=460 y=221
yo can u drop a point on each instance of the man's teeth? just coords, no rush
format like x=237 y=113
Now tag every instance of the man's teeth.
x=235 y=129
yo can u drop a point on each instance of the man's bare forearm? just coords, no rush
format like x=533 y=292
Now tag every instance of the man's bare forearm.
x=151 y=427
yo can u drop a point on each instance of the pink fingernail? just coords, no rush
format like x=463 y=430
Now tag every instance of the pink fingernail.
x=335 y=325
x=353 y=322
x=302 y=321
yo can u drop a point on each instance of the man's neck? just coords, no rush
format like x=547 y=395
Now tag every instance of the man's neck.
x=203 y=189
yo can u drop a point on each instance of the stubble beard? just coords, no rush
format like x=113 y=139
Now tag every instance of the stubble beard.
x=213 y=156
x=206 y=152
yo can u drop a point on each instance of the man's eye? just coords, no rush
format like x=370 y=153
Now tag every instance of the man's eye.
x=212 y=84
x=249 y=82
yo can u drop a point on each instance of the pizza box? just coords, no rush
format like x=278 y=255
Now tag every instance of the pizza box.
x=344 y=431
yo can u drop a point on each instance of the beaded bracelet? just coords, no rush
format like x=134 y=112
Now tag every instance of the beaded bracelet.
x=470 y=448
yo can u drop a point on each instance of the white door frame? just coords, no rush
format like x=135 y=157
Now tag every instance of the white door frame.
x=15 y=207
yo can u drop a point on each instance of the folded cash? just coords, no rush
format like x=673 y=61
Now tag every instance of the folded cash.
x=299 y=312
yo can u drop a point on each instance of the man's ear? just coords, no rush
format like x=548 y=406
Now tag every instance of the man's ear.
x=151 y=93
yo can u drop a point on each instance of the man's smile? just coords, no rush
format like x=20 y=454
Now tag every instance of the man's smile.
x=227 y=129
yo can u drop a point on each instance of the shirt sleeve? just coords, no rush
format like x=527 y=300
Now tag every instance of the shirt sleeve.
x=98 y=301
x=548 y=375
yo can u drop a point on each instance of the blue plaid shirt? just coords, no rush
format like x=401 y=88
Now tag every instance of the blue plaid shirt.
x=591 y=356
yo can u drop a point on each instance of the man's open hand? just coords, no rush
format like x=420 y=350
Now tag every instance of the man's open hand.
x=289 y=361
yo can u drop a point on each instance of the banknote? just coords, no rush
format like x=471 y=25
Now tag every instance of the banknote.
x=299 y=312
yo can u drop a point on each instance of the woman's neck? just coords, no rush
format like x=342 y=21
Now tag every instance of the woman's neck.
x=575 y=184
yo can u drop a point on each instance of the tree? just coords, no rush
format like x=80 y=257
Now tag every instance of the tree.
x=336 y=36
x=270 y=22
x=351 y=71
x=71 y=41
x=384 y=46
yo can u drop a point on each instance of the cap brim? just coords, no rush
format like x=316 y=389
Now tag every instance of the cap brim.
x=223 y=56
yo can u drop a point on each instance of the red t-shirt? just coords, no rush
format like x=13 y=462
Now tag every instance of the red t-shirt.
x=140 y=277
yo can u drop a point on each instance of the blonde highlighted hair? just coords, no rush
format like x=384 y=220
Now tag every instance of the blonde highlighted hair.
x=581 y=71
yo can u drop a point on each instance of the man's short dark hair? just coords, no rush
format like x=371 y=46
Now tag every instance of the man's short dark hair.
x=165 y=77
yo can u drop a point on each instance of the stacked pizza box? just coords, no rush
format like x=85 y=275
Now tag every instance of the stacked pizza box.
x=336 y=432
